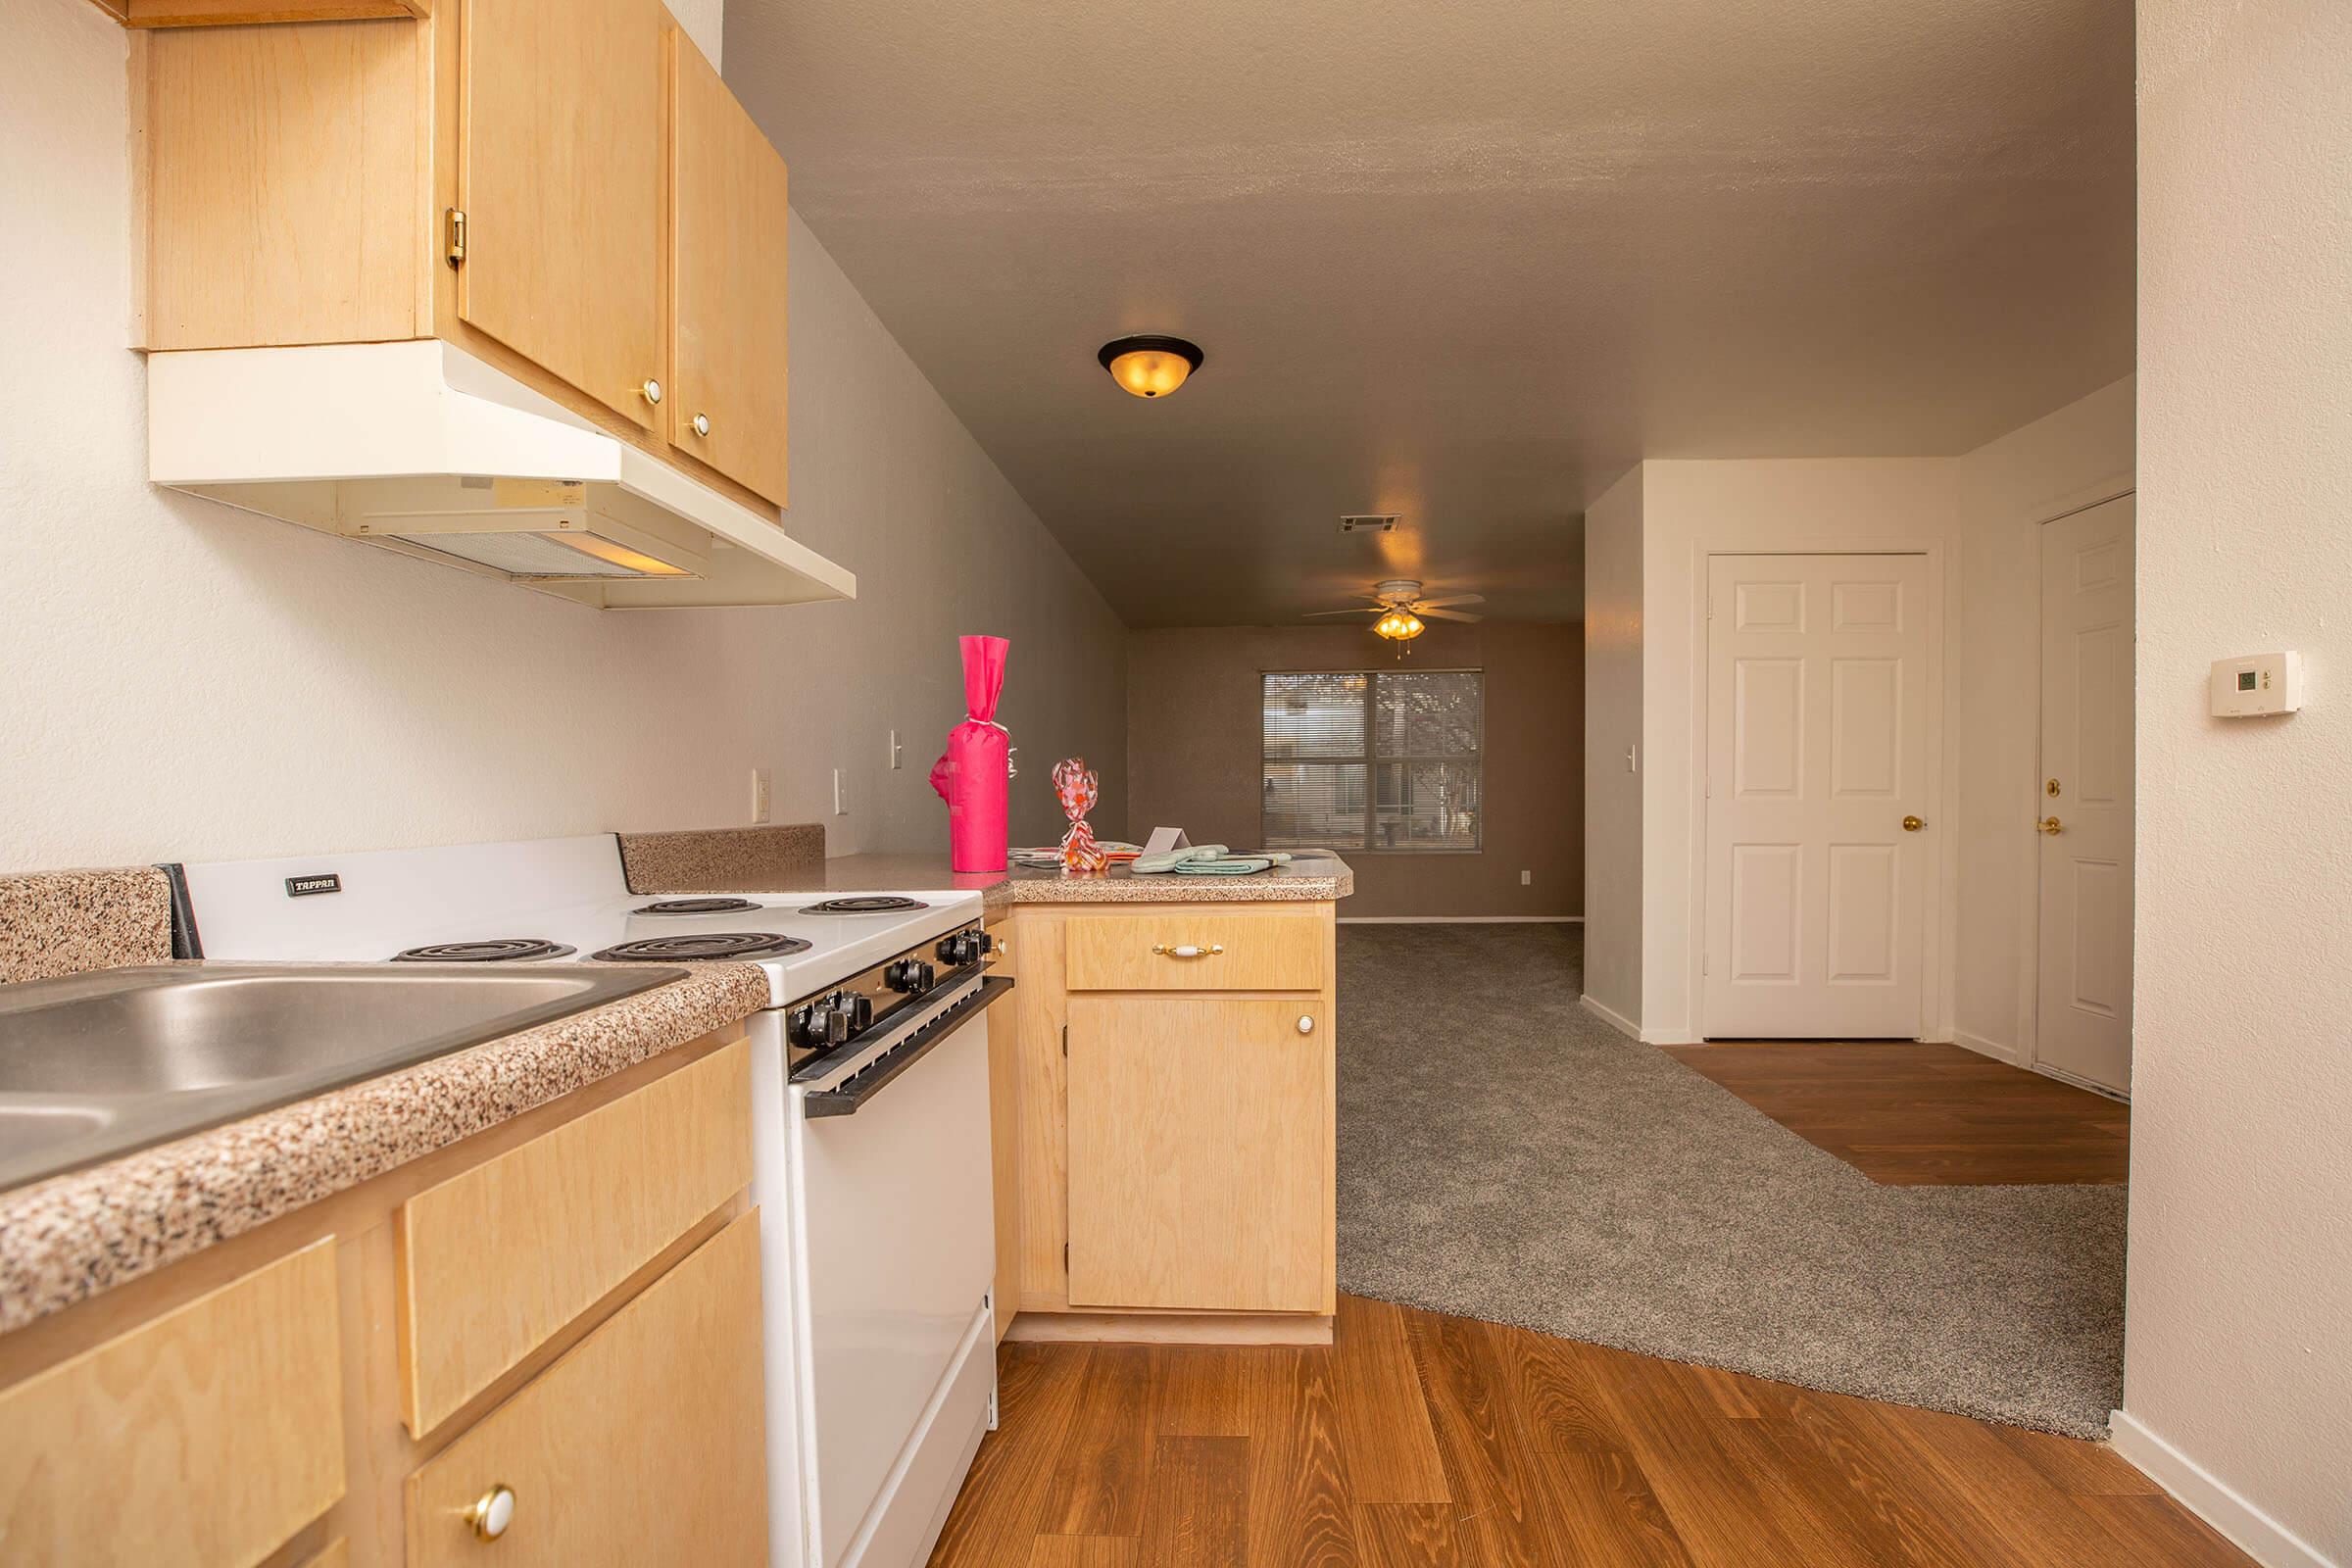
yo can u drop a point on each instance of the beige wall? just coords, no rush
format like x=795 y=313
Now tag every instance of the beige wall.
x=185 y=680
x=1193 y=737
x=2237 y=1375
x=1612 y=730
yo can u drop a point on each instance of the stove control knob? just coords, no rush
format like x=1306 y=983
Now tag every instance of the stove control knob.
x=964 y=947
x=910 y=976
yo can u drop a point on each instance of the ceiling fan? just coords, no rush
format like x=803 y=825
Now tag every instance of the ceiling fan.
x=1401 y=608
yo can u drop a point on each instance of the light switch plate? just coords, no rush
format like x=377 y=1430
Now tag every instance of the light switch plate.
x=840 y=792
x=762 y=795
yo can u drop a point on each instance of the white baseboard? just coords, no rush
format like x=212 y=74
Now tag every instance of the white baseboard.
x=1614 y=1019
x=2210 y=1498
x=1461 y=919
x=1989 y=1048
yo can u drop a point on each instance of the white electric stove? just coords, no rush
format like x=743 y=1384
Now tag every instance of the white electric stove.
x=870 y=1130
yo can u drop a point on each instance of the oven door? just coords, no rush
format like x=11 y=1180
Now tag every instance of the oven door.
x=896 y=1255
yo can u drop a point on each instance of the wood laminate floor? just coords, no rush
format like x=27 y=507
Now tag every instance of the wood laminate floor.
x=1914 y=1115
x=1417 y=1439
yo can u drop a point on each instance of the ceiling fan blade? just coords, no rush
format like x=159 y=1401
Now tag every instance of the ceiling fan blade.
x=1451 y=599
x=1445 y=614
x=1373 y=609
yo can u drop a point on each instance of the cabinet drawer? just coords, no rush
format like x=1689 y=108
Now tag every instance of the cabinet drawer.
x=495 y=1260
x=206 y=1438
x=641 y=1445
x=1185 y=949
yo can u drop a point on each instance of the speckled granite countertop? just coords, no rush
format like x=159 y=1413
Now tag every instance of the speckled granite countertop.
x=72 y=1235
x=1306 y=880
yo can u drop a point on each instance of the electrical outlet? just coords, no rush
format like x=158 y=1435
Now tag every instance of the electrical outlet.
x=1527 y=879
x=762 y=795
x=840 y=792
x=894 y=749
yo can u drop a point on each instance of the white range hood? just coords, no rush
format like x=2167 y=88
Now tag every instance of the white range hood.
x=421 y=448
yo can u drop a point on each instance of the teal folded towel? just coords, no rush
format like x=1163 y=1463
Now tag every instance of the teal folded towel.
x=1208 y=859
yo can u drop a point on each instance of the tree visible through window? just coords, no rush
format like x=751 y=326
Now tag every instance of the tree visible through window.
x=1379 y=759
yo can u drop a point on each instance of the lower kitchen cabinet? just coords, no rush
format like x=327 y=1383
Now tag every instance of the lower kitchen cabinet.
x=1201 y=1157
x=597 y=1331
x=1173 y=1134
x=635 y=1435
x=208 y=1436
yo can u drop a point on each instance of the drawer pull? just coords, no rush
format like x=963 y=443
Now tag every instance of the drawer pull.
x=1189 y=950
x=492 y=1513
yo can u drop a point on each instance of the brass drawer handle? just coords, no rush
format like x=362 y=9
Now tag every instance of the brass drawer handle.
x=1189 y=950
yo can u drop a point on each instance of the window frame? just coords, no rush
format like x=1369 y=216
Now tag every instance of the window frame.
x=1371 y=758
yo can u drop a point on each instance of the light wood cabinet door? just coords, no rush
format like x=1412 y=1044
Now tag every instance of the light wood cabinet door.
x=729 y=205
x=642 y=1444
x=204 y=1438
x=495 y=1260
x=560 y=179
x=1200 y=1153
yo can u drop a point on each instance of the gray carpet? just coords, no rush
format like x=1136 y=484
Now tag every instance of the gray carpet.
x=1506 y=1156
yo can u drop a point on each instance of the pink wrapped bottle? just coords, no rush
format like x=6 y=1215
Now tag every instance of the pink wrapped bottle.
x=974 y=776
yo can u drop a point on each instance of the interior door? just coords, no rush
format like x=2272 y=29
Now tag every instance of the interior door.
x=1821 y=811
x=2085 y=1007
x=559 y=177
x=730 y=197
x=1199 y=1154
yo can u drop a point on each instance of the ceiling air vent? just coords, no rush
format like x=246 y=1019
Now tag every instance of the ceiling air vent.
x=1370 y=522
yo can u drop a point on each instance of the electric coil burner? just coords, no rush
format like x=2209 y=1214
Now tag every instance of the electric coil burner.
x=510 y=949
x=704 y=945
x=871 y=904
x=696 y=906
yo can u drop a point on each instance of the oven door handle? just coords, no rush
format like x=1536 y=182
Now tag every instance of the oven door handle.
x=876 y=1075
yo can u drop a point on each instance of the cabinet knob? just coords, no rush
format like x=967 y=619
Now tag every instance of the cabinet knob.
x=701 y=424
x=492 y=1513
x=652 y=390
x=1187 y=949
x=1306 y=1023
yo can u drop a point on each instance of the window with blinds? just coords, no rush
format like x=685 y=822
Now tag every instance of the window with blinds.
x=1378 y=759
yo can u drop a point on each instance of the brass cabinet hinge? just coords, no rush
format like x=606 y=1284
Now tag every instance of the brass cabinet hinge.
x=457 y=236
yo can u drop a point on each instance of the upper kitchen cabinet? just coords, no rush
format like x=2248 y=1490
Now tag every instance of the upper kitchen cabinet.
x=560 y=137
x=727 y=237
x=499 y=284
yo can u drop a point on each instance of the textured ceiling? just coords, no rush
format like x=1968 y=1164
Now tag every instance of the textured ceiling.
x=1467 y=261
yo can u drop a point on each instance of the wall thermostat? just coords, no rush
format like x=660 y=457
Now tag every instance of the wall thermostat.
x=2257 y=683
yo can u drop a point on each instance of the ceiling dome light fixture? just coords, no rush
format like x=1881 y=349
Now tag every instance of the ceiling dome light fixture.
x=1398 y=626
x=1149 y=365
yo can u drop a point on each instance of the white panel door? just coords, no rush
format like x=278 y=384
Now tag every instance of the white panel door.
x=2086 y=970
x=1818 y=753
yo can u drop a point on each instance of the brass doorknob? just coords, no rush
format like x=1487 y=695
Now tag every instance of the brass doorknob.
x=2051 y=825
x=1912 y=824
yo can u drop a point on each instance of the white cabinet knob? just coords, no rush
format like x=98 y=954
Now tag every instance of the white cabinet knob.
x=652 y=390
x=1306 y=1023
x=492 y=1513
x=701 y=424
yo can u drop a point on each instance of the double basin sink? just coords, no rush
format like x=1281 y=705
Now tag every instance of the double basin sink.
x=94 y=1065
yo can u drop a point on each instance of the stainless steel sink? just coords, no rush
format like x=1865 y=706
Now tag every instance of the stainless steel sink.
x=94 y=1065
